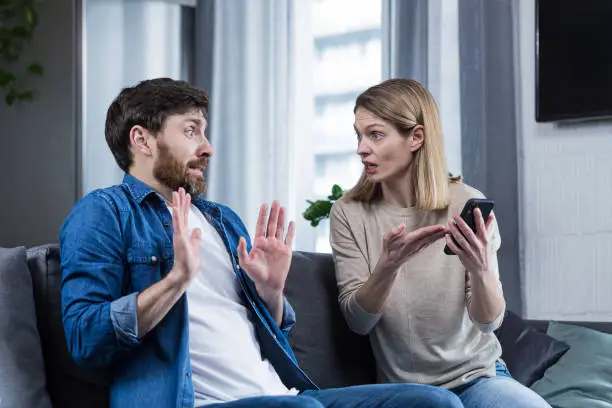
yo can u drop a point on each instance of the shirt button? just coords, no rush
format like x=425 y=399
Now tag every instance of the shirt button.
x=188 y=374
x=153 y=258
x=167 y=225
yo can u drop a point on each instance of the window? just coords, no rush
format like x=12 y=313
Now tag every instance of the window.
x=347 y=60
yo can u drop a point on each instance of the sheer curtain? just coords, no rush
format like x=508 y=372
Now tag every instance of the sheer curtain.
x=422 y=43
x=256 y=90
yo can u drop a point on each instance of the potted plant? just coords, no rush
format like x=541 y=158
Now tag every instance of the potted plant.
x=18 y=20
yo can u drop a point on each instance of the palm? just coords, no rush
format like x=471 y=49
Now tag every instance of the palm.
x=399 y=245
x=268 y=262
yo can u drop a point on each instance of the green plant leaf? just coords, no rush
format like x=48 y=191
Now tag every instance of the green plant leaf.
x=10 y=97
x=36 y=69
x=29 y=16
x=25 y=95
x=20 y=32
x=336 y=192
x=6 y=78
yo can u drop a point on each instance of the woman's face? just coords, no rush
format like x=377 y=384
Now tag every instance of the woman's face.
x=385 y=153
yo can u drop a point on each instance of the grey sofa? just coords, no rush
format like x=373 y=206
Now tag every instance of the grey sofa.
x=327 y=350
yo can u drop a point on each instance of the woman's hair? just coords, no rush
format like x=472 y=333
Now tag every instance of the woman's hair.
x=405 y=103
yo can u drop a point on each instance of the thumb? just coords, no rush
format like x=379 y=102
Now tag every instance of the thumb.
x=242 y=251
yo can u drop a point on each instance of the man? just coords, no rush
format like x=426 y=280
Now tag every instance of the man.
x=166 y=287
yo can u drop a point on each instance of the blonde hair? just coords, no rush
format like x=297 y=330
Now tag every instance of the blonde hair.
x=405 y=103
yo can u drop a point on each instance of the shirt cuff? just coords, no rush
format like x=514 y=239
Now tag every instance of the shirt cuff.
x=125 y=318
x=288 y=320
x=359 y=320
x=494 y=325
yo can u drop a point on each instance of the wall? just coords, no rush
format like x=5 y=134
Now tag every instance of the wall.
x=565 y=176
x=38 y=141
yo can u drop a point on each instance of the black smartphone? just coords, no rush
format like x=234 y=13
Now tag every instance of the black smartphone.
x=467 y=214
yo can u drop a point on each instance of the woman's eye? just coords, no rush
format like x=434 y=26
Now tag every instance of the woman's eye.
x=377 y=136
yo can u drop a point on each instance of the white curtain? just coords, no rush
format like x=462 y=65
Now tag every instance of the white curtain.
x=125 y=43
x=256 y=90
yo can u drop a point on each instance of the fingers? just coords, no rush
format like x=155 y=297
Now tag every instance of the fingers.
x=261 y=221
x=481 y=229
x=424 y=232
x=196 y=234
x=290 y=234
x=280 y=226
x=394 y=233
x=457 y=250
x=465 y=231
x=242 y=252
x=490 y=222
x=273 y=219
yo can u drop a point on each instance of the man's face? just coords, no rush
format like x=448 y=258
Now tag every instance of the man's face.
x=182 y=153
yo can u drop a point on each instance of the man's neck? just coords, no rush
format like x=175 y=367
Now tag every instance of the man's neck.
x=149 y=180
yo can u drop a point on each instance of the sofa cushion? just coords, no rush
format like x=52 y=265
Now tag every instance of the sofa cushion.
x=69 y=385
x=22 y=371
x=583 y=376
x=325 y=347
x=527 y=351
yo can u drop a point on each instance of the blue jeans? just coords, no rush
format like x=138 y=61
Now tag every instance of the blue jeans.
x=501 y=391
x=360 y=396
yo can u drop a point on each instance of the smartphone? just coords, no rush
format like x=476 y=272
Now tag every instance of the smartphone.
x=467 y=214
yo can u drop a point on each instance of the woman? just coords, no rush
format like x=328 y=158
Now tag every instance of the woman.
x=430 y=316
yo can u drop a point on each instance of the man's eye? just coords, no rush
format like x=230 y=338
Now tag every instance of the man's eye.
x=189 y=132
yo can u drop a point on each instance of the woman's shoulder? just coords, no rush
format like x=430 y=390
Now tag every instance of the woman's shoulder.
x=460 y=193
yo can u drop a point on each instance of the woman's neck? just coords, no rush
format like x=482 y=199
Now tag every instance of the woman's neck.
x=397 y=192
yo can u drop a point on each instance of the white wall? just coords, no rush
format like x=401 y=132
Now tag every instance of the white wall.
x=565 y=203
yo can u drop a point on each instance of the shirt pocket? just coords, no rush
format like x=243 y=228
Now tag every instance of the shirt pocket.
x=146 y=265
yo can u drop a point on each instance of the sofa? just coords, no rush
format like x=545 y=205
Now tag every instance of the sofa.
x=37 y=371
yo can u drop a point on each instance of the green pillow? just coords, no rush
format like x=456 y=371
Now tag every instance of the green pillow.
x=582 y=378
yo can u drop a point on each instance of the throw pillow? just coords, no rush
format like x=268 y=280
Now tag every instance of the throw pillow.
x=22 y=370
x=583 y=376
x=526 y=351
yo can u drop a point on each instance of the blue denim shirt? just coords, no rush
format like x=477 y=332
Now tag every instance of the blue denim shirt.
x=115 y=243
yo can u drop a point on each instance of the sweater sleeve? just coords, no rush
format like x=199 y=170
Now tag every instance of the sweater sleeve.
x=352 y=271
x=495 y=239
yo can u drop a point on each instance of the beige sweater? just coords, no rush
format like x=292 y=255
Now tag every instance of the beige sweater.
x=424 y=333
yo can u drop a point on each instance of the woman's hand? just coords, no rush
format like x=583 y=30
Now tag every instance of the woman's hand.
x=473 y=248
x=399 y=245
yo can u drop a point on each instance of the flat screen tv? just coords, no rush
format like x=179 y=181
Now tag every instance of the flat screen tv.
x=573 y=59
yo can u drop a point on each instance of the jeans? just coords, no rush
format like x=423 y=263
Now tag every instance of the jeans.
x=360 y=396
x=501 y=391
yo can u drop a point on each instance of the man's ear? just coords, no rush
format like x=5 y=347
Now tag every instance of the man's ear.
x=141 y=140
x=416 y=138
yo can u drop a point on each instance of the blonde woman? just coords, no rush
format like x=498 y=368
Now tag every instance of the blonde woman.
x=430 y=316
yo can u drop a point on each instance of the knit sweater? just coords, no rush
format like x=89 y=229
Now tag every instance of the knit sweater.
x=424 y=334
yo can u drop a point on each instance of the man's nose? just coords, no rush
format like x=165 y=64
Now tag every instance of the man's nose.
x=205 y=148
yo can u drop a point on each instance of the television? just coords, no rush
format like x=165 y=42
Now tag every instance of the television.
x=573 y=59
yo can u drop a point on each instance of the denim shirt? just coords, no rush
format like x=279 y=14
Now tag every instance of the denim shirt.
x=115 y=243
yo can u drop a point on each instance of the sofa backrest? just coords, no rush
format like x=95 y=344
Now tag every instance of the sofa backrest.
x=325 y=347
x=68 y=385
x=327 y=350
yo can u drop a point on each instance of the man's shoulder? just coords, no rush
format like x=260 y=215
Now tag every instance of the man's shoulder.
x=104 y=198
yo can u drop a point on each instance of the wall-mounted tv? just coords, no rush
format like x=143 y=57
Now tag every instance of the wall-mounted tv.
x=573 y=59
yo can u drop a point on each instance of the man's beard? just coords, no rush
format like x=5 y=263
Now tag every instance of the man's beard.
x=173 y=174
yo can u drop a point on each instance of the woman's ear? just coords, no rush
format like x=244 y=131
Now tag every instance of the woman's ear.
x=140 y=139
x=417 y=137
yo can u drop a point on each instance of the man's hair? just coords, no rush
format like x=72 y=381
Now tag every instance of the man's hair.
x=148 y=104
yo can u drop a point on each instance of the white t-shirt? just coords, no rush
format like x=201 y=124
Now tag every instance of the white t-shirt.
x=226 y=359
